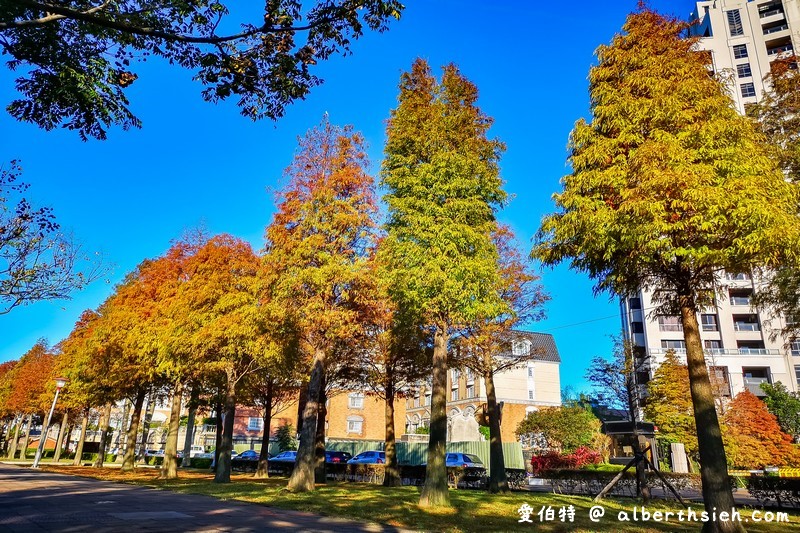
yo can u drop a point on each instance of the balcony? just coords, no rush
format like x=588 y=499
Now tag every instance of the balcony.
x=746 y=326
x=741 y=300
x=754 y=385
x=771 y=13
x=722 y=351
x=779 y=49
x=775 y=29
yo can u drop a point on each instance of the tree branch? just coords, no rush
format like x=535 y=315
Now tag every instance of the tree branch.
x=50 y=17
x=66 y=12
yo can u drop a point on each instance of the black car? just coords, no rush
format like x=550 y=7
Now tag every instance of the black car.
x=336 y=457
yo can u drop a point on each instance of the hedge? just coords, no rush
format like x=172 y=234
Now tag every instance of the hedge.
x=783 y=491
x=591 y=482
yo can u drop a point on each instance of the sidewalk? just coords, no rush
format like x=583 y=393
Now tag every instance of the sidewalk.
x=36 y=501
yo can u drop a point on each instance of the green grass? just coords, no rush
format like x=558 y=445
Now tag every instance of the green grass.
x=472 y=510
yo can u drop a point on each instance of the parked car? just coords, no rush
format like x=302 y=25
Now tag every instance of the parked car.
x=285 y=457
x=250 y=455
x=466 y=460
x=371 y=457
x=337 y=457
x=196 y=450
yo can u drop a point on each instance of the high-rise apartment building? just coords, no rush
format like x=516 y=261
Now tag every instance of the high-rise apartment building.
x=743 y=37
x=743 y=344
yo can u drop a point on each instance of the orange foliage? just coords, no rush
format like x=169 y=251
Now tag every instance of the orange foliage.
x=754 y=438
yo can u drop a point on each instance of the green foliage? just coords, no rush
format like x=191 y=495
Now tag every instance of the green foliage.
x=76 y=59
x=484 y=430
x=560 y=428
x=669 y=404
x=668 y=182
x=441 y=173
x=423 y=430
x=201 y=462
x=285 y=435
x=785 y=405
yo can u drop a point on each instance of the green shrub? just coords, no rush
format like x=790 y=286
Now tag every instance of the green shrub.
x=200 y=462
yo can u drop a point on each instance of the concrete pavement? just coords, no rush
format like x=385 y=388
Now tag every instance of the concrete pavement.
x=35 y=501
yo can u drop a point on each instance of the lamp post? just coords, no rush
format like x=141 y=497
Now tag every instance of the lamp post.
x=60 y=382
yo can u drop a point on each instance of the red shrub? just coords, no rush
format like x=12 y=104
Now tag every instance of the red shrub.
x=553 y=460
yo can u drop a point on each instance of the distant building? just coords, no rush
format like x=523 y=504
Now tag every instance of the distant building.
x=521 y=389
x=743 y=37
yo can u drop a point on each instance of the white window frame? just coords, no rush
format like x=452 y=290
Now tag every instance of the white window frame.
x=257 y=426
x=355 y=424
x=355 y=400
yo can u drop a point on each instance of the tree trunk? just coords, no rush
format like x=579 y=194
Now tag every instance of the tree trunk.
x=12 y=452
x=434 y=492
x=189 y=440
x=262 y=471
x=498 y=482
x=217 y=437
x=302 y=478
x=148 y=418
x=129 y=459
x=717 y=495
x=391 y=476
x=320 y=475
x=60 y=441
x=68 y=438
x=222 y=474
x=123 y=430
x=105 y=422
x=79 y=447
x=301 y=405
x=25 y=441
x=169 y=468
x=633 y=413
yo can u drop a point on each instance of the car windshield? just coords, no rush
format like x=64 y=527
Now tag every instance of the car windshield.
x=473 y=458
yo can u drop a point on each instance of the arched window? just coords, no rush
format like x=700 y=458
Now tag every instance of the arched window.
x=355 y=424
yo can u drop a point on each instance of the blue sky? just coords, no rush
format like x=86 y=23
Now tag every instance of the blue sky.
x=197 y=163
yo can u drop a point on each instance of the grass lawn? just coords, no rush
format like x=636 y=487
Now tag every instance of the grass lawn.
x=472 y=510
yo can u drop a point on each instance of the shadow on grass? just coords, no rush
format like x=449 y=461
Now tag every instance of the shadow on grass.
x=471 y=510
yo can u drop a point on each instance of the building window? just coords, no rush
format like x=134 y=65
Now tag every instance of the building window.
x=741 y=296
x=794 y=347
x=712 y=344
x=521 y=347
x=530 y=395
x=356 y=401
x=748 y=90
x=471 y=391
x=709 y=322
x=355 y=424
x=673 y=344
x=427 y=398
x=635 y=303
x=455 y=374
x=669 y=323
x=530 y=371
x=255 y=423
x=740 y=51
x=797 y=373
x=743 y=70
x=637 y=327
x=746 y=323
x=454 y=394
x=735 y=22
x=416 y=400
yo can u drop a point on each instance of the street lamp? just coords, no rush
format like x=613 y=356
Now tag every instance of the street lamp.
x=60 y=382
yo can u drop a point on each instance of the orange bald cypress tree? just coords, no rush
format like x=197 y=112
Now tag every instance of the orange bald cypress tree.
x=315 y=266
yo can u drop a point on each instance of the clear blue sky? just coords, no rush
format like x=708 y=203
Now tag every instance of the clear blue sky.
x=194 y=162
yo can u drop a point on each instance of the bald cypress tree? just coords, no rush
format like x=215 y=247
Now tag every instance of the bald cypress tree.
x=669 y=185
x=442 y=176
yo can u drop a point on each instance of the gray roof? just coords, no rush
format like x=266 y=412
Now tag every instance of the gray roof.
x=542 y=343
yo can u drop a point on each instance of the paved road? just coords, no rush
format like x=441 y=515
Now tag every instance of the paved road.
x=34 y=501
